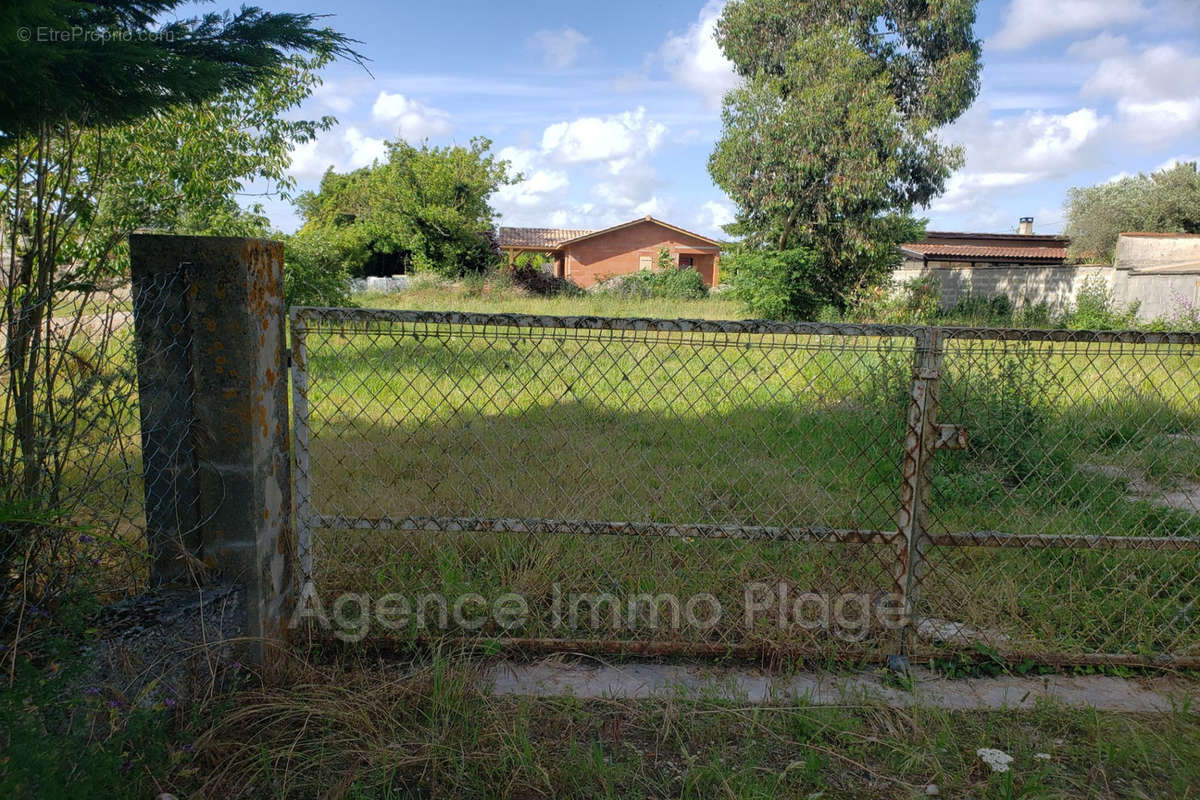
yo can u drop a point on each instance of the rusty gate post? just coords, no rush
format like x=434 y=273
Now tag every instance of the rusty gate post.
x=920 y=440
x=219 y=323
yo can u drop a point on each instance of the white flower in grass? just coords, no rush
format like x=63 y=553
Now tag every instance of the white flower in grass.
x=1042 y=756
x=998 y=760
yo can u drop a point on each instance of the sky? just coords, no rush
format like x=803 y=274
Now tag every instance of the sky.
x=610 y=109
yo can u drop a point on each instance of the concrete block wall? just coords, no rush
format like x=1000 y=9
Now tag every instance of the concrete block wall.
x=1158 y=294
x=1054 y=285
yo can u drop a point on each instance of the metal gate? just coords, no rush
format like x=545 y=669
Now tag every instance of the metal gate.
x=713 y=487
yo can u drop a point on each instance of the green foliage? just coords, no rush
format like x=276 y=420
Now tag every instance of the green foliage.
x=1097 y=310
x=925 y=48
x=318 y=264
x=120 y=61
x=539 y=282
x=830 y=141
x=983 y=310
x=61 y=737
x=913 y=302
x=776 y=284
x=671 y=283
x=664 y=262
x=215 y=150
x=69 y=197
x=796 y=283
x=1008 y=413
x=429 y=204
x=1167 y=201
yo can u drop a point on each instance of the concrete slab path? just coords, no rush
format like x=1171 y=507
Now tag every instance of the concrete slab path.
x=555 y=678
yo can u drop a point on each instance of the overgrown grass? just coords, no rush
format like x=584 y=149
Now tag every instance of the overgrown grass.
x=430 y=728
x=796 y=432
x=501 y=297
x=429 y=731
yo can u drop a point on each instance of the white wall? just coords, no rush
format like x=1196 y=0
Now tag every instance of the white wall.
x=1159 y=294
x=1031 y=284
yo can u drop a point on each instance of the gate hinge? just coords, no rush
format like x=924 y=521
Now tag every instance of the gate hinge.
x=950 y=437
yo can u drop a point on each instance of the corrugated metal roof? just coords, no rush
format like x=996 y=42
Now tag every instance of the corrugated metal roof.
x=538 y=237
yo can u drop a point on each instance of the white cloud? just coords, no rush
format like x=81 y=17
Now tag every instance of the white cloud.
x=1171 y=162
x=332 y=97
x=695 y=60
x=1030 y=21
x=559 y=47
x=1013 y=152
x=412 y=119
x=614 y=138
x=541 y=189
x=1098 y=47
x=613 y=154
x=342 y=148
x=1157 y=92
x=713 y=215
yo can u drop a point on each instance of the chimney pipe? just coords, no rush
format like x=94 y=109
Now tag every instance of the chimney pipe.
x=1026 y=226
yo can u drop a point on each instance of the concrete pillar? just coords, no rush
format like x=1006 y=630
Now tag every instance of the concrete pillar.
x=209 y=319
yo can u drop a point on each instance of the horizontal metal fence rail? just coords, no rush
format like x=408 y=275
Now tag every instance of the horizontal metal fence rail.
x=989 y=488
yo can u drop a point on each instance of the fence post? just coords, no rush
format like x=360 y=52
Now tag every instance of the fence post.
x=920 y=441
x=217 y=323
x=303 y=519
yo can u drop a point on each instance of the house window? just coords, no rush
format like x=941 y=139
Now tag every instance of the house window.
x=685 y=262
x=644 y=262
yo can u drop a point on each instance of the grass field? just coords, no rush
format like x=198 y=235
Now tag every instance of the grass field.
x=1077 y=439
x=373 y=734
x=427 y=730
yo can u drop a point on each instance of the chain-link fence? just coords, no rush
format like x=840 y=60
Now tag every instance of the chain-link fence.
x=706 y=487
x=71 y=436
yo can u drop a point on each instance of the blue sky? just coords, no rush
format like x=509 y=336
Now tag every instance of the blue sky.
x=611 y=109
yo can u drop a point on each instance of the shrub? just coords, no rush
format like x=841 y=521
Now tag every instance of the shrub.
x=1183 y=316
x=317 y=265
x=1033 y=315
x=978 y=311
x=1097 y=310
x=914 y=302
x=535 y=281
x=672 y=284
x=780 y=284
x=1008 y=414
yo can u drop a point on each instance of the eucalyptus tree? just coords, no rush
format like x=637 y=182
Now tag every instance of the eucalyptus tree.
x=830 y=140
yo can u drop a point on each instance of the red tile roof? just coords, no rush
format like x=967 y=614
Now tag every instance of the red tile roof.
x=538 y=237
x=961 y=252
x=551 y=238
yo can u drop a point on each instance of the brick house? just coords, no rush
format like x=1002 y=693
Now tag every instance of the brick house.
x=587 y=256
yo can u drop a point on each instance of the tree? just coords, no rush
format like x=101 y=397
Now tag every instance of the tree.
x=106 y=62
x=426 y=204
x=830 y=141
x=157 y=138
x=318 y=267
x=1167 y=201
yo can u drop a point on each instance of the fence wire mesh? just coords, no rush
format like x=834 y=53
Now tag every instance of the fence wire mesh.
x=74 y=516
x=1071 y=524
x=710 y=486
